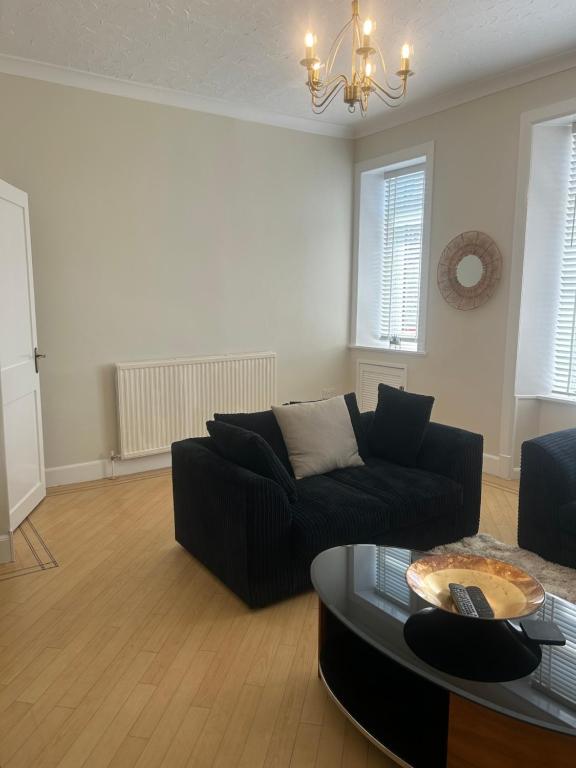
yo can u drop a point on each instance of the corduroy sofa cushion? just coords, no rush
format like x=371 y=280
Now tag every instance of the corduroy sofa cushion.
x=319 y=436
x=251 y=451
x=264 y=424
x=359 y=425
x=399 y=425
x=360 y=504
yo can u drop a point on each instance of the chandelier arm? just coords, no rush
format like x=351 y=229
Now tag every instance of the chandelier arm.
x=320 y=89
x=319 y=109
x=335 y=47
x=329 y=83
x=400 y=88
x=330 y=95
x=389 y=86
x=390 y=101
x=317 y=89
x=378 y=89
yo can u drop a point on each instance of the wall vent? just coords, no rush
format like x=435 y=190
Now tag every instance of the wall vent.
x=370 y=374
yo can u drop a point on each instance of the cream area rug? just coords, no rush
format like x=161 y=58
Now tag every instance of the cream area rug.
x=554 y=578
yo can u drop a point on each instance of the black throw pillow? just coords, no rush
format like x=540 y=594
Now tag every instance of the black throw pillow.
x=357 y=425
x=251 y=451
x=399 y=425
x=264 y=424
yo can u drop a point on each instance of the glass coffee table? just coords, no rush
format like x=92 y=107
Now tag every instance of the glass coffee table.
x=421 y=715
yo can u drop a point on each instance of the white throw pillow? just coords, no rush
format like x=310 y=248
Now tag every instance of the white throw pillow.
x=319 y=436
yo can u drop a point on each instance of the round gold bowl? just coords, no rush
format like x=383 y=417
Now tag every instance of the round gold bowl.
x=511 y=592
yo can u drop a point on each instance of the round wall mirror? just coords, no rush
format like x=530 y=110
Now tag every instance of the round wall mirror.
x=469 y=270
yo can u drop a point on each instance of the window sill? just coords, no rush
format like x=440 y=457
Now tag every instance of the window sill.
x=388 y=351
x=558 y=399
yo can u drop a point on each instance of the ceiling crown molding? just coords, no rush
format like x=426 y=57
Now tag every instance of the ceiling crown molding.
x=465 y=93
x=52 y=73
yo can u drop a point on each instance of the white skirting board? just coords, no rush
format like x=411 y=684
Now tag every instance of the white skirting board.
x=6 y=555
x=102 y=469
x=501 y=466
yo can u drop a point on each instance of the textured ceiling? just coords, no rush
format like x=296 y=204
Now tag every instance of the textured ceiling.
x=247 y=51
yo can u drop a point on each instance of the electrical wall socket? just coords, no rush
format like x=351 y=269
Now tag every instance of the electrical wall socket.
x=328 y=392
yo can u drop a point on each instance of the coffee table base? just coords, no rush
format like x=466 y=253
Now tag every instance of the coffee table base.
x=487 y=651
x=419 y=724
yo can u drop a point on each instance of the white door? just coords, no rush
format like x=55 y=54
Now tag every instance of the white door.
x=22 y=478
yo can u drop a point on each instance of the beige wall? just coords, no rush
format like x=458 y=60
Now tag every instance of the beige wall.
x=160 y=232
x=540 y=417
x=475 y=161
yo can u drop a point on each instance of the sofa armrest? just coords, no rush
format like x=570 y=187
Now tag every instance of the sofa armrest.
x=457 y=454
x=550 y=461
x=547 y=493
x=567 y=518
x=234 y=521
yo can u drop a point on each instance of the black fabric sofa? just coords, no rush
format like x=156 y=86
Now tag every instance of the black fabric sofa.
x=547 y=503
x=242 y=527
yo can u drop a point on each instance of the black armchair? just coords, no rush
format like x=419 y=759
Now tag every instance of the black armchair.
x=547 y=504
x=245 y=530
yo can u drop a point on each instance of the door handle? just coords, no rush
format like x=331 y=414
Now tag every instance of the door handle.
x=36 y=356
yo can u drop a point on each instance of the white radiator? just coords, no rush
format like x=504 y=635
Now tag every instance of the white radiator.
x=167 y=400
x=369 y=375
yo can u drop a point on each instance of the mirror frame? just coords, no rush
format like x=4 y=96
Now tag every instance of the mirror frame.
x=471 y=243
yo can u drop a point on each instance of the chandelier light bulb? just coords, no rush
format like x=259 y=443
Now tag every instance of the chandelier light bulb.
x=368 y=27
x=309 y=40
x=405 y=51
x=368 y=70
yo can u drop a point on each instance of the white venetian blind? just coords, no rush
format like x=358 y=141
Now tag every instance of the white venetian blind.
x=564 y=374
x=401 y=265
x=391 y=565
x=557 y=672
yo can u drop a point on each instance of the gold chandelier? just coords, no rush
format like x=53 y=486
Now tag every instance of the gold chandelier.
x=361 y=83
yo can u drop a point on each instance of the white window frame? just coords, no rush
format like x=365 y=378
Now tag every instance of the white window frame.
x=570 y=220
x=404 y=158
x=534 y=381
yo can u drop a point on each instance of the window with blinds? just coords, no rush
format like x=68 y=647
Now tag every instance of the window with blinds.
x=392 y=242
x=401 y=262
x=564 y=373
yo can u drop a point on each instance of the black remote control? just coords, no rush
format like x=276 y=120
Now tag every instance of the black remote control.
x=543 y=632
x=483 y=607
x=462 y=600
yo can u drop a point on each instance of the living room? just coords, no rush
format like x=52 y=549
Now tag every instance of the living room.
x=211 y=219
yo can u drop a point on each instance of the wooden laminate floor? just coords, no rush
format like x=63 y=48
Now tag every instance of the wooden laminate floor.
x=131 y=654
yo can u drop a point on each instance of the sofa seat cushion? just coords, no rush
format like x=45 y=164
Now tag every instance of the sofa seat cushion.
x=363 y=504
